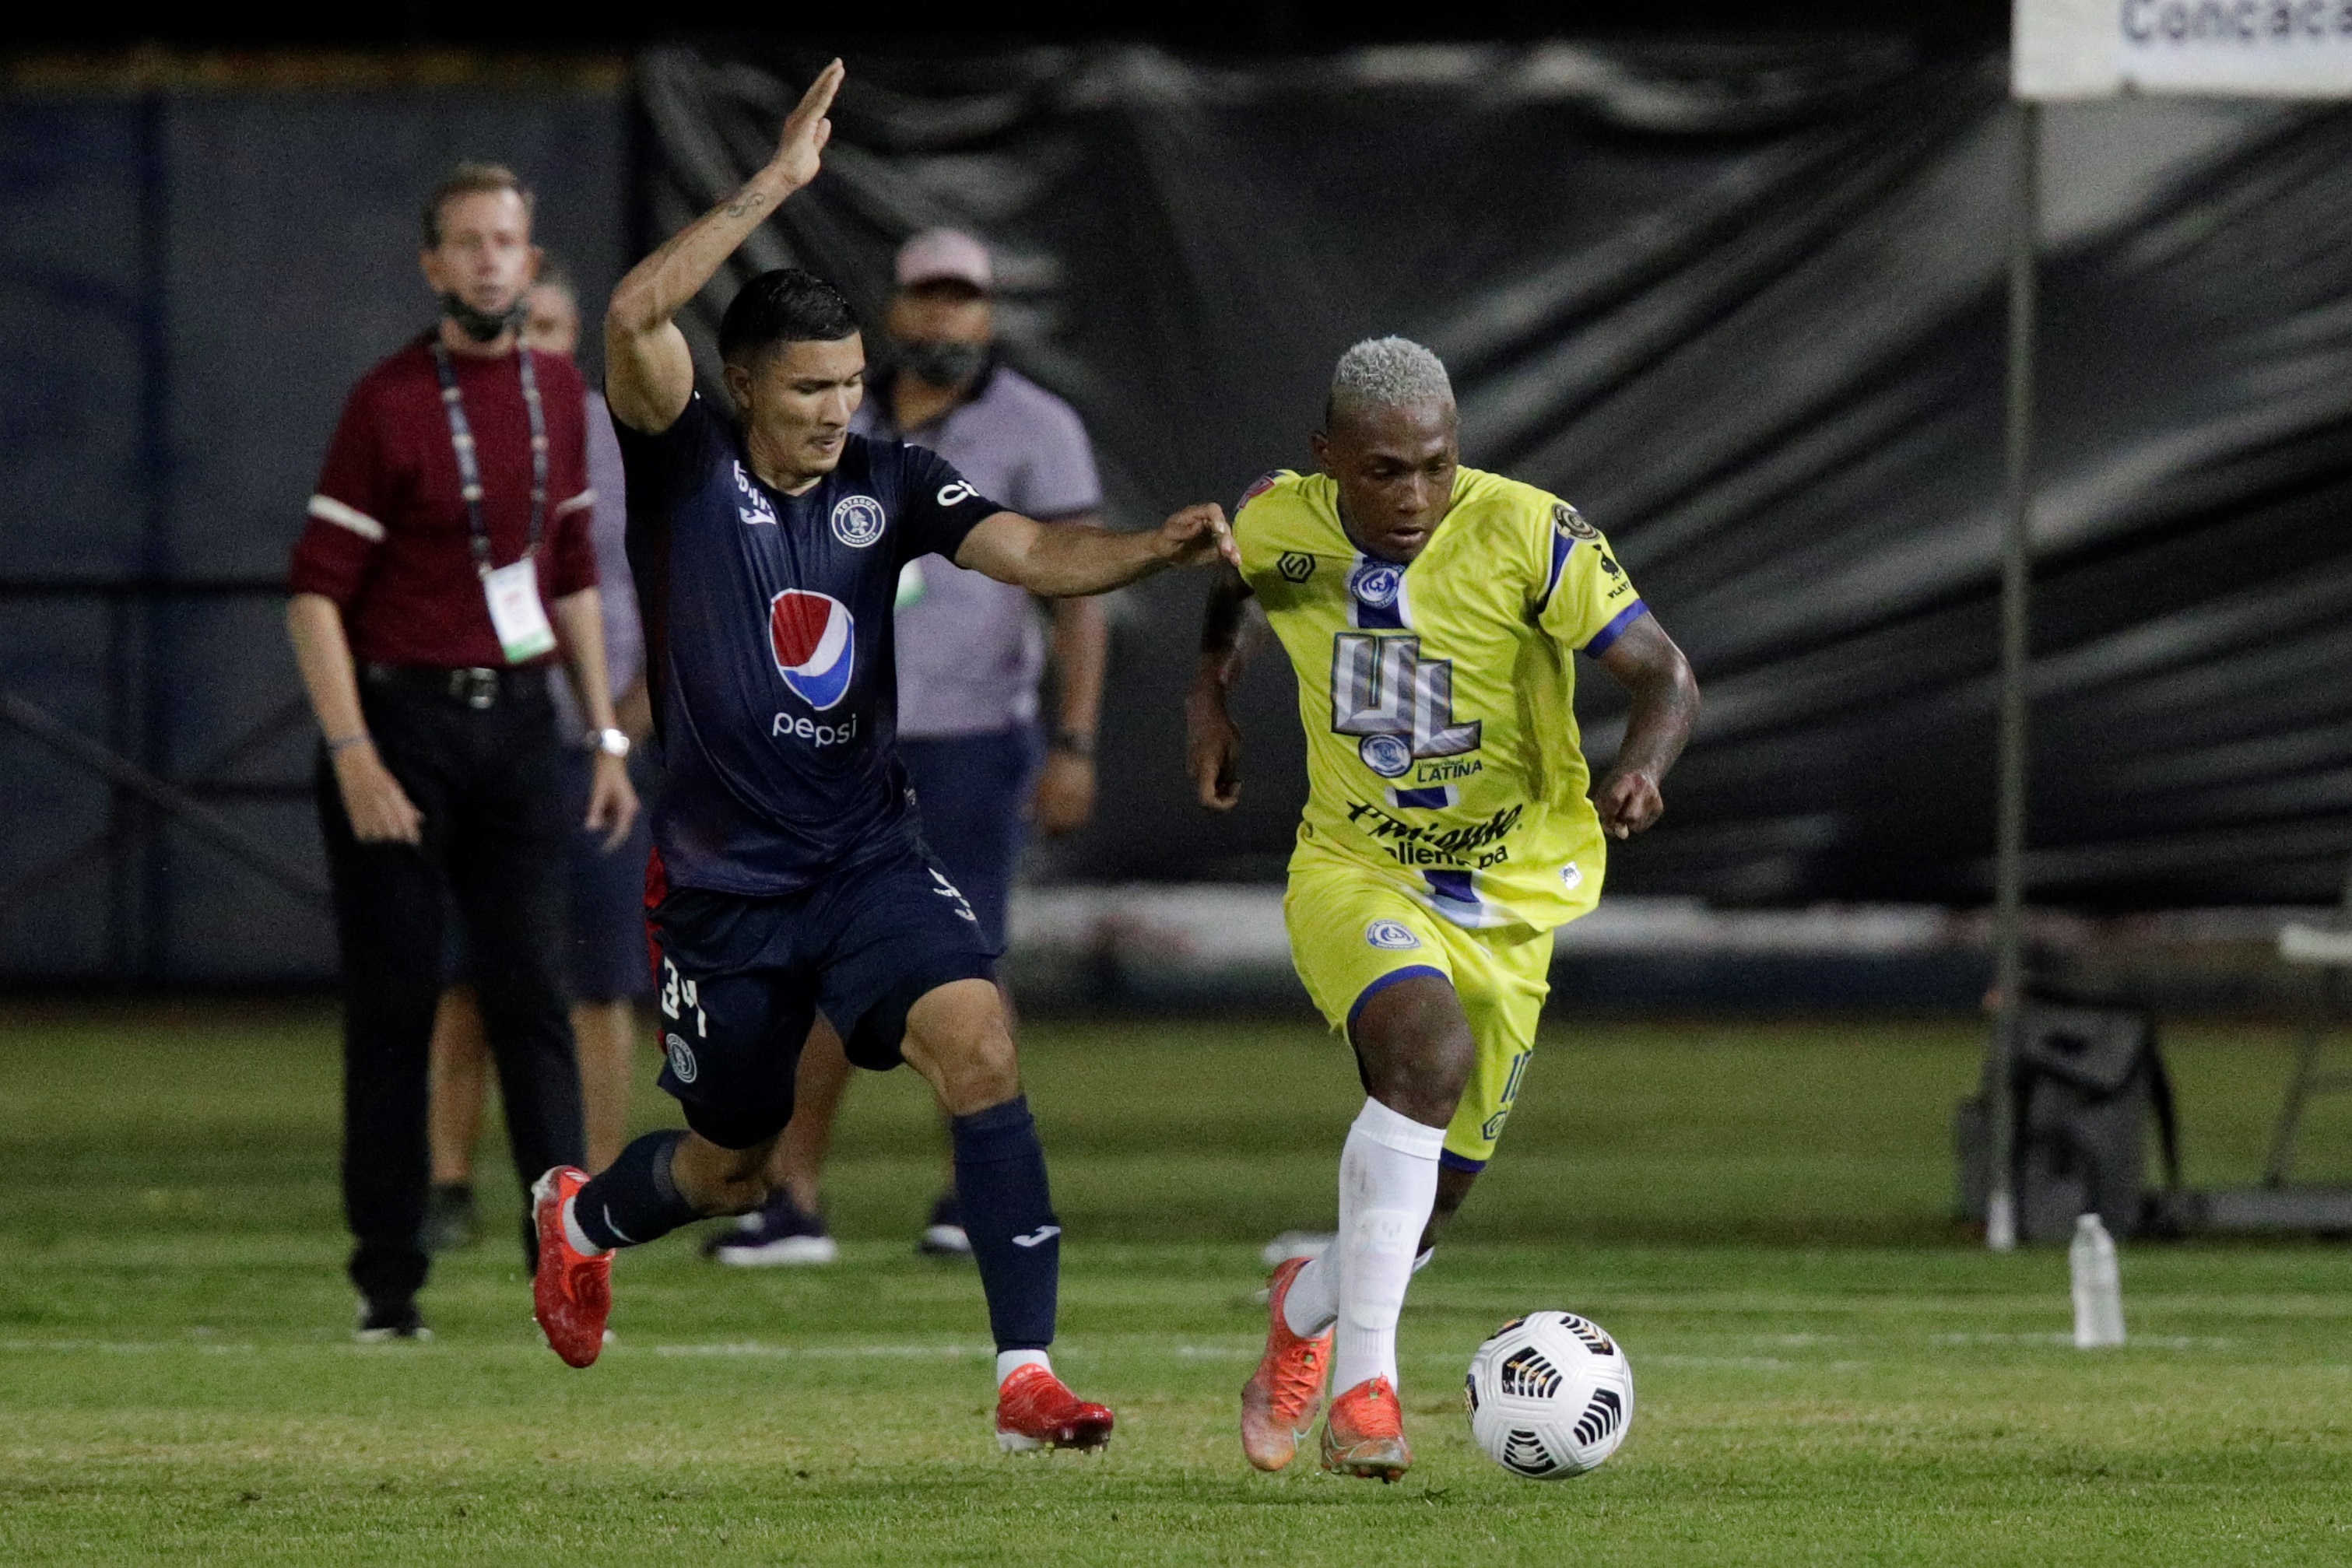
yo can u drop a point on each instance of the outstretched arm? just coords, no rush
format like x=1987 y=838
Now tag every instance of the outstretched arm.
x=1645 y=661
x=1065 y=560
x=1213 y=742
x=648 y=371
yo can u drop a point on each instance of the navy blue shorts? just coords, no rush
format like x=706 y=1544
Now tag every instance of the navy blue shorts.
x=973 y=792
x=740 y=979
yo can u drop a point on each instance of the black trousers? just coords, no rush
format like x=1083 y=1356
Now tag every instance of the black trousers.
x=486 y=780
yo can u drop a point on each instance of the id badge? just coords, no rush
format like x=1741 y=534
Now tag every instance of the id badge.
x=515 y=613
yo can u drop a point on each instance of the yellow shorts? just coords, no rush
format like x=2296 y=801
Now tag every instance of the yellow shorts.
x=1353 y=932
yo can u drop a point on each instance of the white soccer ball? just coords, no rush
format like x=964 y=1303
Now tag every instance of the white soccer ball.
x=1550 y=1395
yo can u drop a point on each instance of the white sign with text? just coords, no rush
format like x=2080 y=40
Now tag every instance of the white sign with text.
x=2243 y=49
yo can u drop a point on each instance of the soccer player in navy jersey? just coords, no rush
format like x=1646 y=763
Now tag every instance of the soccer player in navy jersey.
x=788 y=872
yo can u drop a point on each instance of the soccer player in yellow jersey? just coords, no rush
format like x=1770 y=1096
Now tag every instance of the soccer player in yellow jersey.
x=1431 y=613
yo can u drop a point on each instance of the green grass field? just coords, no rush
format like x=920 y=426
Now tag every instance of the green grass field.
x=1829 y=1372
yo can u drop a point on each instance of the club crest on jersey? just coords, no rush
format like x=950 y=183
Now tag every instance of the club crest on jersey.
x=751 y=504
x=815 y=638
x=1387 y=755
x=1572 y=874
x=1570 y=522
x=858 y=520
x=1393 y=936
x=1376 y=584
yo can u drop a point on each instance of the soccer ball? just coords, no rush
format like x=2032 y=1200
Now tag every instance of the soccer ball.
x=1550 y=1395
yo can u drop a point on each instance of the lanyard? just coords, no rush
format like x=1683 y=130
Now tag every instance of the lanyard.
x=470 y=471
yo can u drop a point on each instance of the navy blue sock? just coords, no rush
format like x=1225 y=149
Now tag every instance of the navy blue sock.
x=1001 y=1183
x=635 y=1200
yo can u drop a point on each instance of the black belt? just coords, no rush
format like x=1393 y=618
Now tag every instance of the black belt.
x=476 y=686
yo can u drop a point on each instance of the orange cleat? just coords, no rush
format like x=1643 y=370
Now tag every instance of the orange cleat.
x=1280 y=1401
x=571 y=1293
x=1035 y=1409
x=1364 y=1435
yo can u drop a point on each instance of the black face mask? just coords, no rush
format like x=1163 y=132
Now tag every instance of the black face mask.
x=479 y=324
x=943 y=364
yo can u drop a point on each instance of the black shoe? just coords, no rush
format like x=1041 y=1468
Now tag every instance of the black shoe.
x=380 y=1322
x=778 y=1233
x=448 y=1217
x=943 y=1235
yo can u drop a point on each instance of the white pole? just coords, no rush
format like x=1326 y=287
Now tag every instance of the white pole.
x=2016 y=589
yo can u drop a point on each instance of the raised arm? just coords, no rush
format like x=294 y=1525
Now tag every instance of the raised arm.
x=649 y=371
x=1645 y=661
x=1066 y=560
x=1213 y=742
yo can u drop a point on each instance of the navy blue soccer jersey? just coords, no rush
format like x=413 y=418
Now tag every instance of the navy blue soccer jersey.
x=768 y=637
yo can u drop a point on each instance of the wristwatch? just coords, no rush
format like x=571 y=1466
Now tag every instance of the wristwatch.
x=611 y=742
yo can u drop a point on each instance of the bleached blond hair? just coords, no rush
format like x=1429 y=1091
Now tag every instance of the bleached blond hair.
x=1387 y=373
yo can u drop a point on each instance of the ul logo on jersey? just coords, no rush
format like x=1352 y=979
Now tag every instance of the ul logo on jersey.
x=815 y=638
x=1401 y=704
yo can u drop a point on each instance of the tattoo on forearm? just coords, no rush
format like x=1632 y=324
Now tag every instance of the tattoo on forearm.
x=745 y=201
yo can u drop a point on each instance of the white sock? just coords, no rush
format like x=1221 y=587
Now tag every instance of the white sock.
x=1313 y=1301
x=1388 y=1185
x=577 y=1237
x=1009 y=1362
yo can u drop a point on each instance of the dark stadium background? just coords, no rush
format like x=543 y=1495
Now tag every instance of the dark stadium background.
x=208 y=232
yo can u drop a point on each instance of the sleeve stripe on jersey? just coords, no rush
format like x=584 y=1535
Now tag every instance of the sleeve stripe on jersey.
x=327 y=509
x=1607 y=636
x=586 y=498
x=1561 y=544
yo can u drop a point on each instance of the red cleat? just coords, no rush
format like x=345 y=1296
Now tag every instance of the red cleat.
x=571 y=1293
x=1364 y=1435
x=1035 y=1409
x=1280 y=1401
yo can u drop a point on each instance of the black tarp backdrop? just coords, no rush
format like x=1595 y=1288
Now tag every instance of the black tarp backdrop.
x=1743 y=306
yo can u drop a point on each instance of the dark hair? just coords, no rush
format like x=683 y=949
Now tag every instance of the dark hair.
x=470 y=179
x=786 y=306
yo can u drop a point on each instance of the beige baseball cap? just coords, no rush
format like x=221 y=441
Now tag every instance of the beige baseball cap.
x=937 y=256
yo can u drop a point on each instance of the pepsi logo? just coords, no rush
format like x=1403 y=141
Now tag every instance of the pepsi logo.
x=815 y=638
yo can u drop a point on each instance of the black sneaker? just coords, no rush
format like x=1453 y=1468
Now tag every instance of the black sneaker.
x=382 y=1323
x=779 y=1234
x=943 y=1235
x=448 y=1217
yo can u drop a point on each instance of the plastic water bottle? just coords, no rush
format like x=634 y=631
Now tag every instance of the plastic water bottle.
x=2098 y=1285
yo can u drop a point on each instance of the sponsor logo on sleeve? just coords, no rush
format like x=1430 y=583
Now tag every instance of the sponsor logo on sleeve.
x=858 y=520
x=682 y=1066
x=955 y=494
x=1392 y=936
x=1570 y=522
x=1572 y=874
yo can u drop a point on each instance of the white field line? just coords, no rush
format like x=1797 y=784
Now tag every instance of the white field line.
x=1237 y=1350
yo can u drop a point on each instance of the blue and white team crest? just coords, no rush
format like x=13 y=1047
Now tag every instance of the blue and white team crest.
x=858 y=520
x=751 y=503
x=815 y=638
x=1394 y=935
x=1376 y=584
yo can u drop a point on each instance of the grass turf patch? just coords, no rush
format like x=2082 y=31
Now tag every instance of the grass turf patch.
x=1826 y=1371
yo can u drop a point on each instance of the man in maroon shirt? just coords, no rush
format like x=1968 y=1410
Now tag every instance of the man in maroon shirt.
x=446 y=563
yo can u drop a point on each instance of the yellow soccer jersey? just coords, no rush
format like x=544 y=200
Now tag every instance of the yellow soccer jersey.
x=1442 y=747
